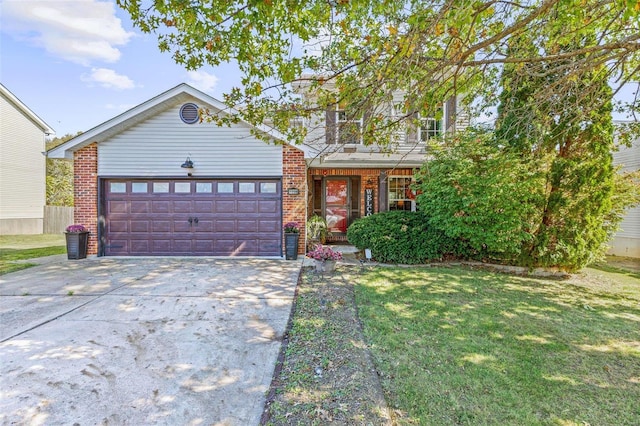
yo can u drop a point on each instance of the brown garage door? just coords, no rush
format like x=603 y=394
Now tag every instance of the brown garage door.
x=213 y=217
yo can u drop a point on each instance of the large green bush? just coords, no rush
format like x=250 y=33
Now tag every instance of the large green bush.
x=402 y=237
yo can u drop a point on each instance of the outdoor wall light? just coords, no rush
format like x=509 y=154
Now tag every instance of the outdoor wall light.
x=188 y=164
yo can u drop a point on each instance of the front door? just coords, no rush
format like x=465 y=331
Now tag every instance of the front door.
x=337 y=204
x=337 y=199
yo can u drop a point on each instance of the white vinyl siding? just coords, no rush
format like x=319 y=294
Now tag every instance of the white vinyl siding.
x=629 y=159
x=22 y=165
x=159 y=146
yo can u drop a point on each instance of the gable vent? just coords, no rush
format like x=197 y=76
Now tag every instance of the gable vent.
x=189 y=113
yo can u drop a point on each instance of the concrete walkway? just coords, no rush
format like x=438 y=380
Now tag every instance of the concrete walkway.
x=189 y=341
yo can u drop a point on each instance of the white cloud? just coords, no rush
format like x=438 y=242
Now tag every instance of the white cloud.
x=80 y=31
x=202 y=80
x=109 y=79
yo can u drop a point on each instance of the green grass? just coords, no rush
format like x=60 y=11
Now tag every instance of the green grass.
x=16 y=248
x=459 y=346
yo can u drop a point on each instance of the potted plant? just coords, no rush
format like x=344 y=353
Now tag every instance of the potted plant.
x=291 y=240
x=77 y=237
x=317 y=231
x=325 y=258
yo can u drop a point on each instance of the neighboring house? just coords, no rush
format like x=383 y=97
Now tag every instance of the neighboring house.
x=135 y=193
x=22 y=167
x=626 y=242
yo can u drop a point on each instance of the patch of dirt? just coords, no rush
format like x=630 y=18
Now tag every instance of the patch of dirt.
x=325 y=374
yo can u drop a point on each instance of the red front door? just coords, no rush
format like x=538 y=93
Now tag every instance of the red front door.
x=337 y=204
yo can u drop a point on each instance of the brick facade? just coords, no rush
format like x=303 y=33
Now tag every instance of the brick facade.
x=85 y=192
x=294 y=208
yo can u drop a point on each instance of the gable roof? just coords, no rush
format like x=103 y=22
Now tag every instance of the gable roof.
x=144 y=111
x=20 y=106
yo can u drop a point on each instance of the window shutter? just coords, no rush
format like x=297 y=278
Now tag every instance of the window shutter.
x=450 y=114
x=412 y=129
x=331 y=125
x=383 y=193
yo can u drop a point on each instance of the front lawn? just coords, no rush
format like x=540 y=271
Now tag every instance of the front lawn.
x=16 y=248
x=460 y=346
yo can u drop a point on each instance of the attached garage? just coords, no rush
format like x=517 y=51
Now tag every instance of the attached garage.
x=204 y=217
x=138 y=195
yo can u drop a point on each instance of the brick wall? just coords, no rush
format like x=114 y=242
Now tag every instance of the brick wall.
x=294 y=176
x=85 y=192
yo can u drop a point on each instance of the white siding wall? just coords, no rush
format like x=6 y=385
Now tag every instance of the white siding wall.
x=22 y=168
x=627 y=241
x=158 y=146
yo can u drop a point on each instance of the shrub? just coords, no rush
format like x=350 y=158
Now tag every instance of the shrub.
x=403 y=237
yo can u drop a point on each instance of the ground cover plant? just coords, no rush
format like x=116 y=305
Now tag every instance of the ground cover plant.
x=15 y=249
x=462 y=346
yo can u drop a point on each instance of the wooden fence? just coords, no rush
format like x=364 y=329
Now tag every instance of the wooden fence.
x=57 y=218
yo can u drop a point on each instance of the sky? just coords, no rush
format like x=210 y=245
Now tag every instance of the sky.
x=79 y=63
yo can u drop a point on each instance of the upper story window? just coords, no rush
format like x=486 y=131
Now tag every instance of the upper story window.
x=349 y=128
x=429 y=128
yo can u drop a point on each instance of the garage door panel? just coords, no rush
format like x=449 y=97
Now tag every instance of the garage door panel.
x=140 y=247
x=140 y=206
x=224 y=225
x=161 y=246
x=182 y=246
x=226 y=247
x=204 y=226
x=182 y=226
x=268 y=226
x=119 y=226
x=231 y=219
x=160 y=206
x=269 y=206
x=117 y=206
x=225 y=206
x=247 y=226
x=161 y=226
x=203 y=246
x=203 y=206
x=182 y=206
x=139 y=226
x=247 y=206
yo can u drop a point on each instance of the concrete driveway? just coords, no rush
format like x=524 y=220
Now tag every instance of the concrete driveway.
x=113 y=341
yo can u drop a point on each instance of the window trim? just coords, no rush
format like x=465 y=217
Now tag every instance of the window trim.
x=390 y=187
x=341 y=122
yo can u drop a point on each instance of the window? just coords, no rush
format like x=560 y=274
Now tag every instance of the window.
x=430 y=128
x=268 y=187
x=160 y=187
x=247 y=187
x=349 y=128
x=139 y=187
x=203 y=187
x=182 y=187
x=401 y=196
x=118 y=187
x=225 y=187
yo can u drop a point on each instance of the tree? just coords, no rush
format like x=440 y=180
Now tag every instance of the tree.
x=359 y=52
x=482 y=195
x=59 y=176
x=541 y=190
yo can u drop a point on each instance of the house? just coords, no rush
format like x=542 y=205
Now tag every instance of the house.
x=349 y=178
x=626 y=242
x=156 y=181
x=22 y=167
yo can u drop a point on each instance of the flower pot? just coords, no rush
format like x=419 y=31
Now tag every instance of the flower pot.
x=325 y=265
x=291 y=245
x=77 y=243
